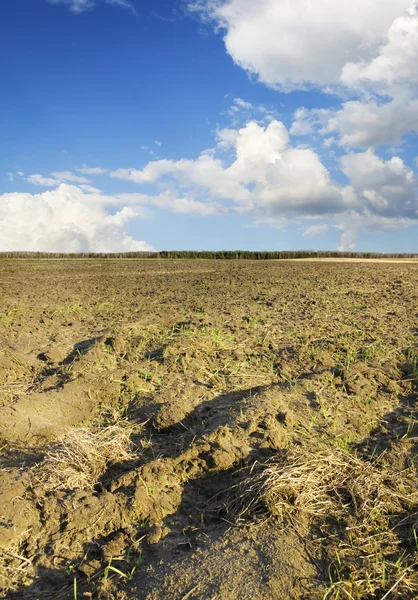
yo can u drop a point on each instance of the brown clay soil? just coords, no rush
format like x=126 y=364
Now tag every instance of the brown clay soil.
x=208 y=430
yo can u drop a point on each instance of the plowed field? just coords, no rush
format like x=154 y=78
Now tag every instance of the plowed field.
x=208 y=430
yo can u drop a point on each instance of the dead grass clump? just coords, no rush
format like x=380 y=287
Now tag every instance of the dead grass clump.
x=83 y=455
x=355 y=508
x=331 y=483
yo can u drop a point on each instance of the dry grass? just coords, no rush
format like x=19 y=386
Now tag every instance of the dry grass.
x=83 y=455
x=331 y=483
x=358 y=506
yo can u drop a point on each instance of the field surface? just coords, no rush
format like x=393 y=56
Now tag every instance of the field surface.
x=204 y=430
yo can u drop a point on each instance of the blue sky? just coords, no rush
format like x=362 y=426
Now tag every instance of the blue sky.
x=216 y=124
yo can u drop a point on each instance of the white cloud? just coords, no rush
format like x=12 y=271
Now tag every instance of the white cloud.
x=168 y=200
x=291 y=44
x=368 y=50
x=241 y=111
x=396 y=61
x=80 y=6
x=253 y=170
x=243 y=104
x=68 y=176
x=59 y=176
x=157 y=143
x=352 y=223
x=265 y=174
x=360 y=124
x=316 y=229
x=37 y=179
x=365 y=124
x=226 y=138
x=386 y=188
x=91 y=170
x=288 y=180
x=306 y=122
x=348 y=240
x=204 y=173
x=66 y=219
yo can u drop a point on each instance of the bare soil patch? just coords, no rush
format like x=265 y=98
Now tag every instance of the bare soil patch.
x=201 y=430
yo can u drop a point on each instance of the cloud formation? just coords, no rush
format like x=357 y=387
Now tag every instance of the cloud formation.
x=254 y=170
x=395 y=62
x=360 y=124
x=295 y=44
x=265 y=174
x=366 y=50
x=386 y=188
x=66 y=219
x=262 y=174
x=366 y=124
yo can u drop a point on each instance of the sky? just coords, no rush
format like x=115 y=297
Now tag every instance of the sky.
x=208 y=124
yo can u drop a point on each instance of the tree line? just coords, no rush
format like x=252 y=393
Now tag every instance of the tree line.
x=219 y=254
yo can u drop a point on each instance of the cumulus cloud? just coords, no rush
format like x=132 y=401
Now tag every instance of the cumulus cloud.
x=396 y=60
x=348 y=239
x=365 y=50
x=80 y=6
x=293 y=44
x=386 y=188
x=256 y=170
x=265 y=173
x=66 y=219
x=205 y=174
x=253 y=170
x=226 y=138
x=360 y=124
x=365 y=124
x=307 y=122
x=352 y=223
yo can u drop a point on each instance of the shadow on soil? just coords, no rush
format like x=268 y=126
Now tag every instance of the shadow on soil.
x=199 y=517
x=399 y=424
x=62 y=370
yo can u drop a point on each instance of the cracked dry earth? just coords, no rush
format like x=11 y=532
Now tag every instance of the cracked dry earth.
x=142 y=399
